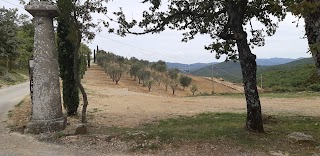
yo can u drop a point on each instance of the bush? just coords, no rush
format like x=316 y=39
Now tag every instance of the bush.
x=9 y=77
x=315 y=87
x=2 y=71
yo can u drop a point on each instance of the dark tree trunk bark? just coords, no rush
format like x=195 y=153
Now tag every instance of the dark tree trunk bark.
x=312 y=27
x=236 y=12
x=85 y=104
x=76 y=72
x=88 y=59
x=249 y=69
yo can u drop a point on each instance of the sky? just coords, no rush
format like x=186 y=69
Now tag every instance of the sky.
x=288 y=42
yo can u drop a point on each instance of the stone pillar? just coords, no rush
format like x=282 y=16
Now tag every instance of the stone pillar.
x=46 y=108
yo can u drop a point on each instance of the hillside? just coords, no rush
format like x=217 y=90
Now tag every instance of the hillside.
x=15 y=76
x=186 y=67
x=230 y=71
x=274 y=61
x=196 y=66
x=292 y=75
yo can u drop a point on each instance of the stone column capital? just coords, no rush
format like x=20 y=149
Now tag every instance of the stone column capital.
x=42 y=8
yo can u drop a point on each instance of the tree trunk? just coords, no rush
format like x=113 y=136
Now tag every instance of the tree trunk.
x=7 y=65
x=76 y=72
x=312 y=25
x=236 y=12
x=85 y=104
x=88 y=57
x=249 y=69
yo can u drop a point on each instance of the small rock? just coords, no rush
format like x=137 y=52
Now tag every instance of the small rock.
x=279 y=153
x=81 y=129
x=72 y=138
x=300 y=137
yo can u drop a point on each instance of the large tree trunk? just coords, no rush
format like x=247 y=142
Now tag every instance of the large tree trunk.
x=236 y=12
x=312 y=27
x=249 y=69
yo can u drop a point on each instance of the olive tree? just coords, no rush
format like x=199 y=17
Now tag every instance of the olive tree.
x=185 y=81
x=193 y=89
x=115 y=73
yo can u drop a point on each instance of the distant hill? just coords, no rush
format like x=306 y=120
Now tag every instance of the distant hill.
x=186 y=67
x=196 y=66
x=273 y=61
x=231 y=71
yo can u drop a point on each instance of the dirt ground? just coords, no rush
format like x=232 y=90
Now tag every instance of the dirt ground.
x=128 y=104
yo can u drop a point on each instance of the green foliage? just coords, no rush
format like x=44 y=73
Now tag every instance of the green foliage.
x=143 y=75
x=66 y=48
x=149 y=83
x=173 y=73
x=185 y=81
x=159 y=66
x=174 y=86
x=291 y=79
x=25 y=36
x=315 y=87
x=135 y=68
x=11 y=78
x=293 y=76
x=193 y=89
x=84 y=53
x=8 y=35
x=115 y=73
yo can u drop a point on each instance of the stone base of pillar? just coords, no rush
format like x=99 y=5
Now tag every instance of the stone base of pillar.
x=40 y=126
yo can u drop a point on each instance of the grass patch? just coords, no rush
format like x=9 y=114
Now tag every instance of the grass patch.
x=226 y=127
x=19 y=104
x=305 y=94
x=10 y=113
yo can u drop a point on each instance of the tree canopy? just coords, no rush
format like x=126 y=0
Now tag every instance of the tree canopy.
x=8 y=30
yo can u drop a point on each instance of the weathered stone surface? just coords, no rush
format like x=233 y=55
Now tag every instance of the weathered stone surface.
x=46 y=99
x=300 y=137
x=81 y=129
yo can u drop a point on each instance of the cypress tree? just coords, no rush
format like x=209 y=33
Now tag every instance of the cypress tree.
x=66 y=60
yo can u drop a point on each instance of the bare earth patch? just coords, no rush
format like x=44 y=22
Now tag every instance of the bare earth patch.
x=128 y=105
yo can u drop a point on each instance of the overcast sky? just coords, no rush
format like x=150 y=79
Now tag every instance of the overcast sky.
x=288 y=42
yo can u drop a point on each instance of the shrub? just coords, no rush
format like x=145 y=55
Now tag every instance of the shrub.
x=315 y=87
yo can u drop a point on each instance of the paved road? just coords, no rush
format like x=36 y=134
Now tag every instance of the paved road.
x=12 y=95
x=15 y=144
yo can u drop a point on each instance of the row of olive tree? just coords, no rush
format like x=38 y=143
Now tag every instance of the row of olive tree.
x=142 y=71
